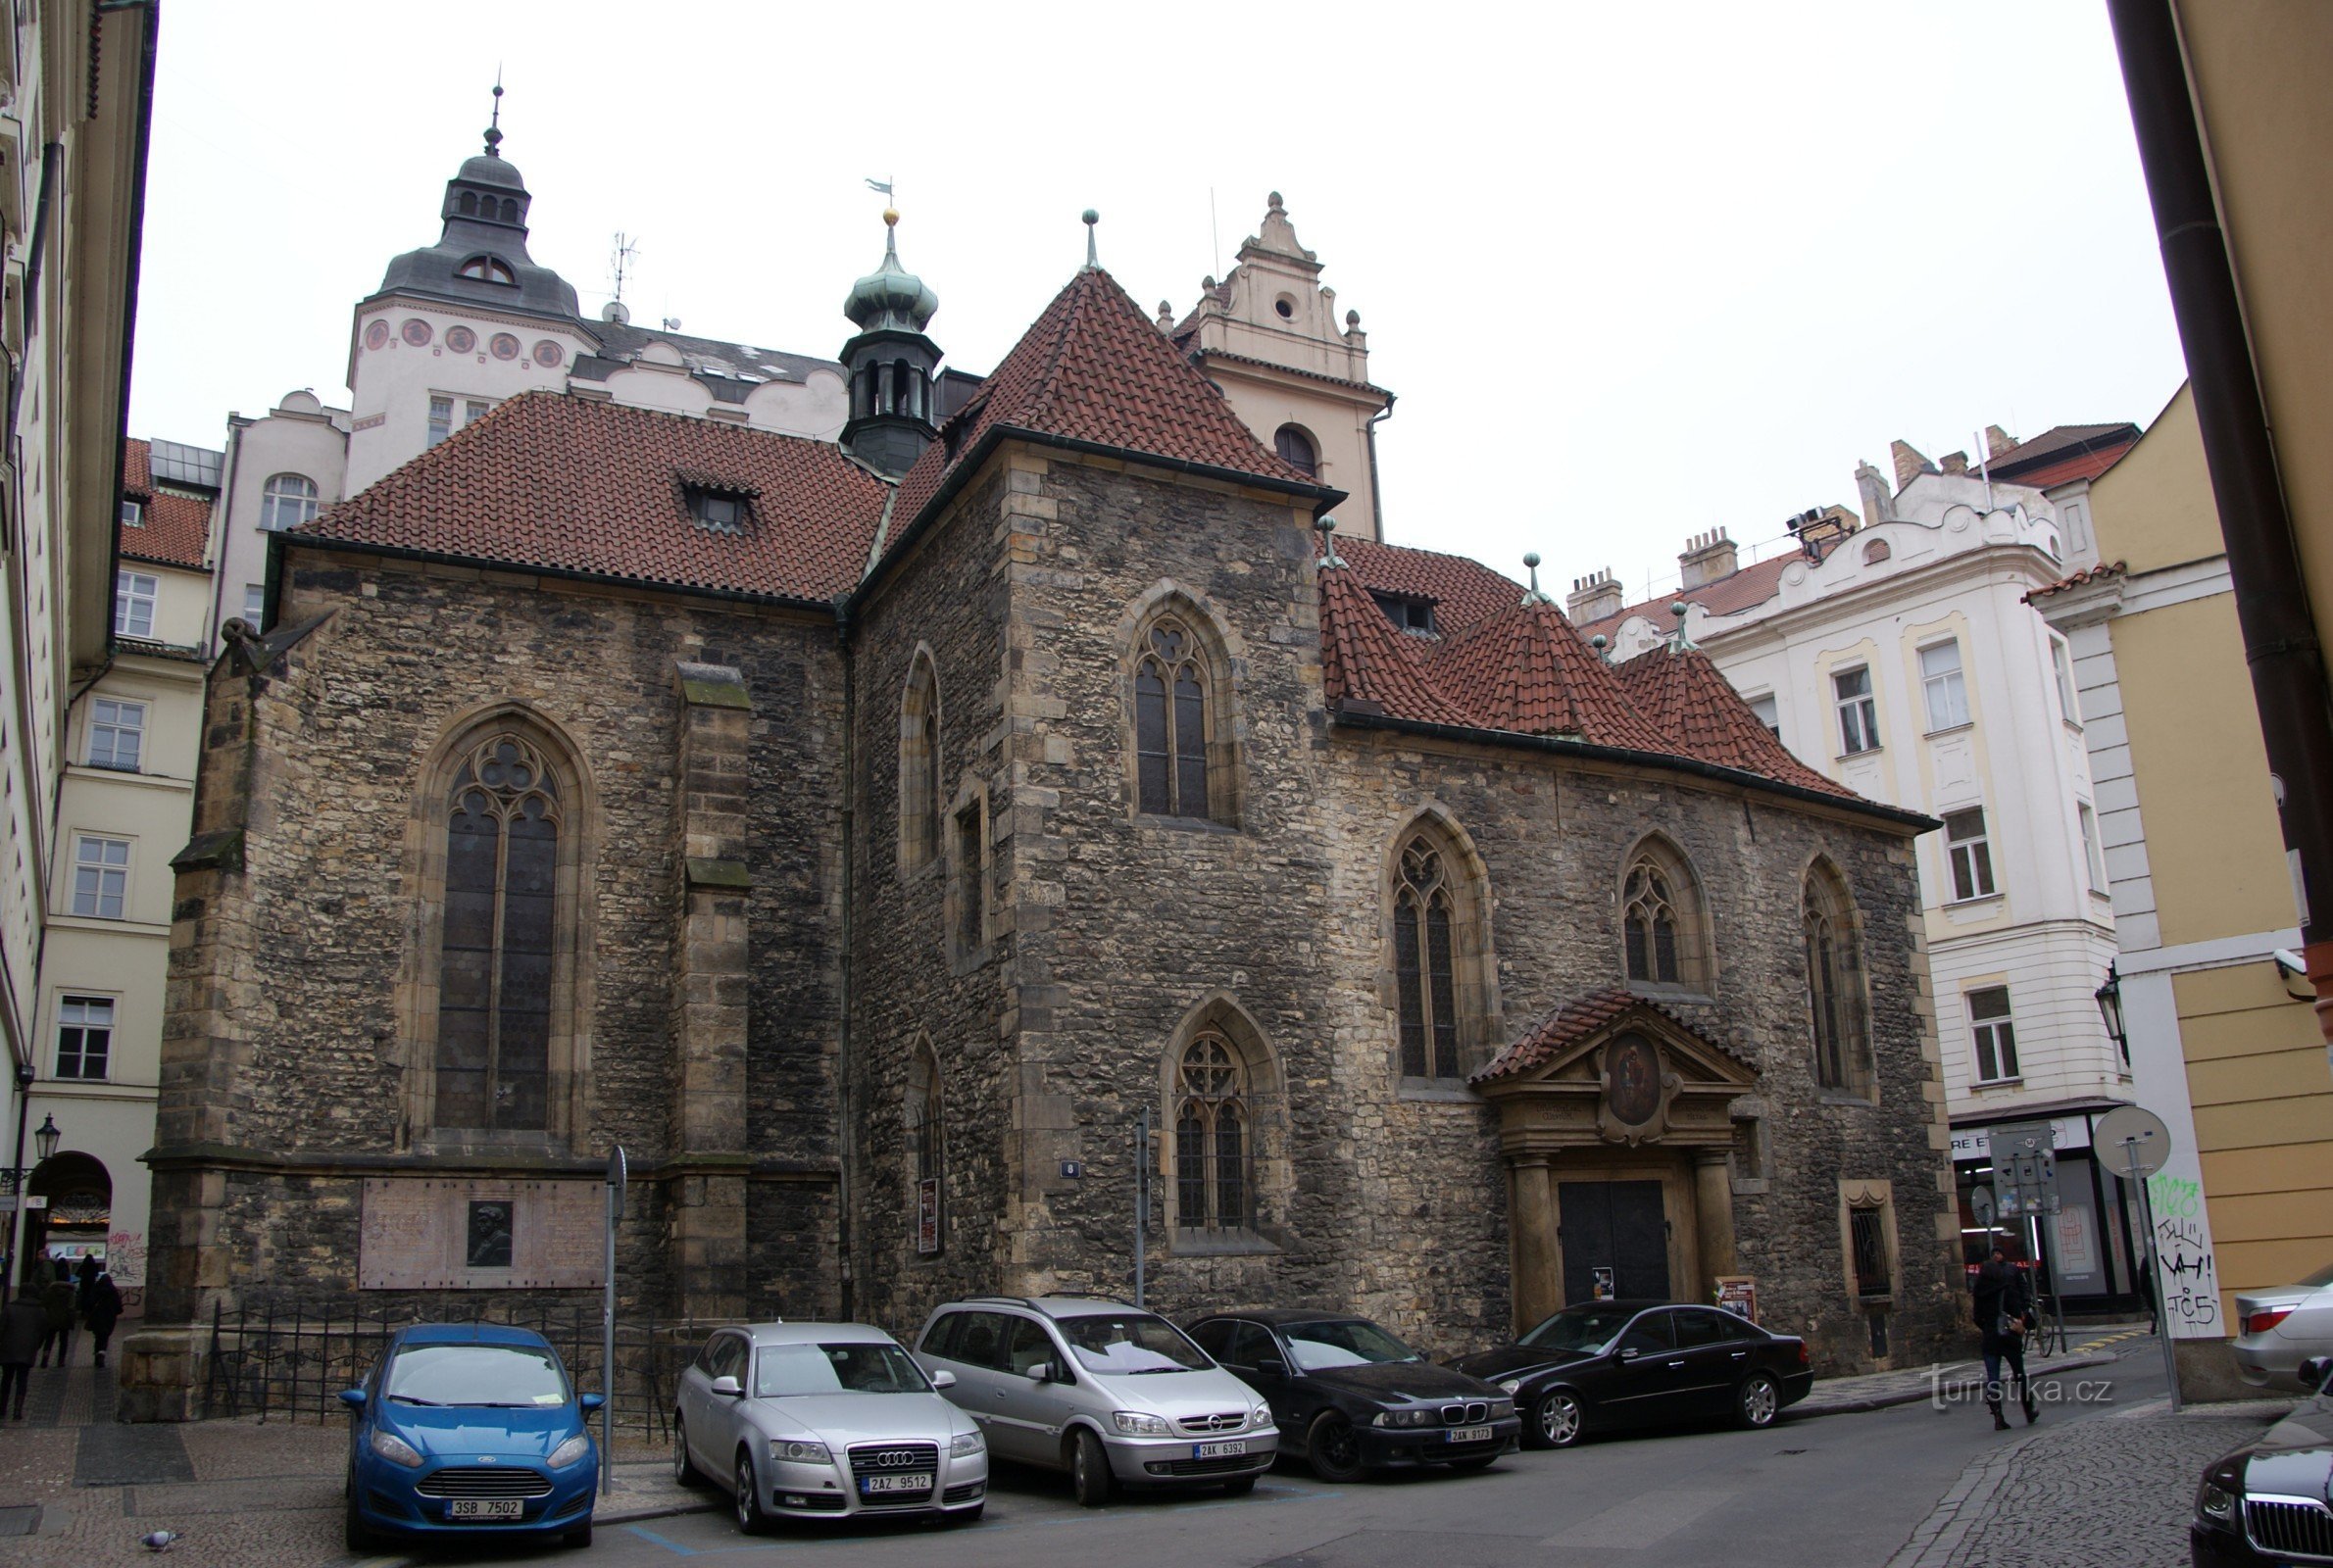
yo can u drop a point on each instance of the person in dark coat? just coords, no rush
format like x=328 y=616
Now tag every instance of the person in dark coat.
x=103 y=1311
x=57 y=1301
x=2004 y=1307
x=23 y=1325
x=85 y=1277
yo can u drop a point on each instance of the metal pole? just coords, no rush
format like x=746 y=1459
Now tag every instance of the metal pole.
x=2162 y=1304
x=1141 y=1197
x=616 y=1179
x=16 y=1220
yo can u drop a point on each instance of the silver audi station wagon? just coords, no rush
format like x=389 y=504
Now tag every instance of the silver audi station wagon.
x=816 y=1420
x=1109 y=1392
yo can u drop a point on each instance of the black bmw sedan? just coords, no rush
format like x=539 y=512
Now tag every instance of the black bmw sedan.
x=2266 y=1503
x=1351 y=1397
x=1602 y=1365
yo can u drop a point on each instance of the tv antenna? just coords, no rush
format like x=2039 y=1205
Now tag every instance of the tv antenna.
x=624 y=259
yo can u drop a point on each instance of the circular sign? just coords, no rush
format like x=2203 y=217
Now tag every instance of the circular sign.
x=2130 y=1134
x=461 y=339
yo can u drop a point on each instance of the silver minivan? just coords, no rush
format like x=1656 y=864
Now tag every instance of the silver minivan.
x=1109 y=1392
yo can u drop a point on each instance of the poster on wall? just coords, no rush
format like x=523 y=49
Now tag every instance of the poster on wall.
x=1738 y=1294
x=927 y=1214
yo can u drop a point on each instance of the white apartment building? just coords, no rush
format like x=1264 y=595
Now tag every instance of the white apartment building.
x=1894 y=651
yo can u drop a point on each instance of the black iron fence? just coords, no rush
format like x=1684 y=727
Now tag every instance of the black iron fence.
x=290 y=1365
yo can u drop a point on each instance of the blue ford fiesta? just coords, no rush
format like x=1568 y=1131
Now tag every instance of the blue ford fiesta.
x=471 y=1427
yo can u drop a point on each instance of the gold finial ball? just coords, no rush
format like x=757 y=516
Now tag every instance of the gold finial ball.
x=891 y=216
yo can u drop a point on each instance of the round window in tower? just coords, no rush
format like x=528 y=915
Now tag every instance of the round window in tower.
x=417 y=331
x=1286 y=307
x=548 y=354
x=461 y=339
x=504 y=346
x=376 y=333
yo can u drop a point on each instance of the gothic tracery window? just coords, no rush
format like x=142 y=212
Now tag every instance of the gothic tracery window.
x=1648 y=917
x=1424 y=970
x=1835 y=986
x=497 y=950
x=1213 y=1136
x=1171 y=681
x=919 y=808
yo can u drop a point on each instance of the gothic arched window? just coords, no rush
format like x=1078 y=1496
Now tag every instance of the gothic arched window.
x=500 y=942
x=1663 y=940
x=1424 y=963
x=1170 y=721
x=1213 y=1136
x=1836 y=1004
x=925 y=1149
x=920 y=765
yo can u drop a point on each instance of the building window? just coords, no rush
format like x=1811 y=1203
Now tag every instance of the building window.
x=1866 y=1227
x=134 y=597
x=504 y=818
x=1940 y=679
x=922 y=1114
x=441 y=419
x=1213 y=1136
x=288 y=500
x=1835 y=985
x=255 y=603
x=117 y=734
x=1769 y=714
x=972 y=881
x=1995 y=1035
x=1968 y=853
x=84 y=1037
x=720 y=510
x=1660 y=920
x=1409 y=615
x=487 y=270
x=1876 y=552
x=1424 y=973
x=1296 y=448
x=1170 y=683
x=1859 y=714
x=2094 y=857
x=2062 y=665
x=920 y=765
x=100 y=876
x=133 y=514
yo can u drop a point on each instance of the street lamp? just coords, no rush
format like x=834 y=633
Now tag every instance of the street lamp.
x=44 y=1137
x=2108 y=998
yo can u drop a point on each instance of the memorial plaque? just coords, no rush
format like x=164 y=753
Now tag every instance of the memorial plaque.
x=423 y=1234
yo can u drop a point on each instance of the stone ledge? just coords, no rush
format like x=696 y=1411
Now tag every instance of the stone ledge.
x=220 y=851
x=709 y=873
x=712 y=686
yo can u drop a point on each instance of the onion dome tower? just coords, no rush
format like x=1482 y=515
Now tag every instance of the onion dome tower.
x=890 y=363
x=480 y=255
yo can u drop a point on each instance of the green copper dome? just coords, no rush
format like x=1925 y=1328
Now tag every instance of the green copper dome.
x=891 y=296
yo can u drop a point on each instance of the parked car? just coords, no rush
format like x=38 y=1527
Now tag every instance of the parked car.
x=470 y=1427
x=1604 y=1365
x=2278 y=1329
x=824 y=1420
x=2265 y=1503
x=1356 y=1399
x=1116 y=1395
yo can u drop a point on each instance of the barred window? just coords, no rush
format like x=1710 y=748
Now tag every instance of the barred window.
x=1213 y=1136
x=502 y=826
x=1423 y=970
x=1867 y=1228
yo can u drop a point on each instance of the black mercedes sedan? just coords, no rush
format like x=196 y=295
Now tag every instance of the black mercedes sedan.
x=1604 y=1365
x=1351 y=1397
x=2266 y=1503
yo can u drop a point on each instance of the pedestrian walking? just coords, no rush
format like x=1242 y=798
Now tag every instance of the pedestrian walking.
x=57 y=1301
x=85 y=1277
x=2004 y=1307
x=103 y=1311
x=23 y=1325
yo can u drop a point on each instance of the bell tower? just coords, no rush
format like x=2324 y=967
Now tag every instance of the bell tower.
x=891 y=364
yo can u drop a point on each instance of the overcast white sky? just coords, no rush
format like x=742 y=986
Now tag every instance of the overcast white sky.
x=1633 y=271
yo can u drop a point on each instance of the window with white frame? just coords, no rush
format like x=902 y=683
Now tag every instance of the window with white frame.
x=134 y=597
x=255 y=602
x=2061 y=665
x=1995 y=1036
x=287 y=501
x=2093 y=854
x=117 y=734
x=1968 y=853
x=133 y=514
x=100 y=876
x=1940 y=680
x=1858 y=710
x=1767 y=713
x=84 y=1037
x=441 y=419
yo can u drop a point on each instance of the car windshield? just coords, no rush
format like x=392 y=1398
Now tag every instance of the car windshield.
x=1579 y=1328
x=1131 y=1342
x=862 y=1367
x=502 y=1376
x=1351 y=1342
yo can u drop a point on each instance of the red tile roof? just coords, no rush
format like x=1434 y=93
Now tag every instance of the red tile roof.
x=1700 y=714
x=175 y=528
x=2063 y=452
x=1465 y=591
x=1528 y=671
x=574 y=484
x=1094 y=370
x=1366 y=663
x=2103 y=569
x=2076 y=465
x=1576 y=1020
x=1753 y=584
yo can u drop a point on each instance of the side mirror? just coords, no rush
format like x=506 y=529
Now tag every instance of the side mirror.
x=1271 y=1368
x=943 y=1379
x=728 y=1388
x=1042 y=1372
x=354 y=1398
x=2313 y=1373
x=592 y=1401
x=1629 y=1352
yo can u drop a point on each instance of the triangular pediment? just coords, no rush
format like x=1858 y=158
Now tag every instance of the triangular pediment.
x=1570 y=1046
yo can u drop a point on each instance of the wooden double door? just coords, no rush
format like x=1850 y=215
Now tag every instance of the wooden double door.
x=1616 y=1240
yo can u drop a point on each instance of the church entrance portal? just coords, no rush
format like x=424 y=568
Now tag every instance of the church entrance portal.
x=1614 y=1238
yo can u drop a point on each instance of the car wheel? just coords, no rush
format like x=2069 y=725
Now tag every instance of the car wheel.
x=1089 y=1469
x=1333 y=1448
x=751 y=1519
x=359 y=1538
x=1239 y=1487
x=1757 y=1402
x=580 y=1535
x=1556 y=1420
x=684 y=1469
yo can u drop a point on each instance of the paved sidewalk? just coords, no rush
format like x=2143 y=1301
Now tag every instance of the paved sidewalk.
x=1960 y=1381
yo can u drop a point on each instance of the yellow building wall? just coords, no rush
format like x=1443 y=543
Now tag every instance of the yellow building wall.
x=2214 y=846
x=2264 y=1118
x=2153 y=508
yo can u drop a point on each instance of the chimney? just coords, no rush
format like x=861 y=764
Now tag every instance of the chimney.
x=1996 y=441
x=1879 y=502
x=1956 y=463
x=1594 y=596
x=1707 y=558
x=1910 y=464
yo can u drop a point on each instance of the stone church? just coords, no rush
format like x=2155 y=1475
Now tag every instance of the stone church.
x=912 y=847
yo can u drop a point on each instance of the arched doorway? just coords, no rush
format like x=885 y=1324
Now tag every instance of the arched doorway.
x=79 y=1211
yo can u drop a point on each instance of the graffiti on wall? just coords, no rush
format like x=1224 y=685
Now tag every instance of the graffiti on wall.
x=2183 y=1253
x=125 y=1257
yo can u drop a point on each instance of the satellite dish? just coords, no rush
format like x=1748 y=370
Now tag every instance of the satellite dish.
x=2133 y=1140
